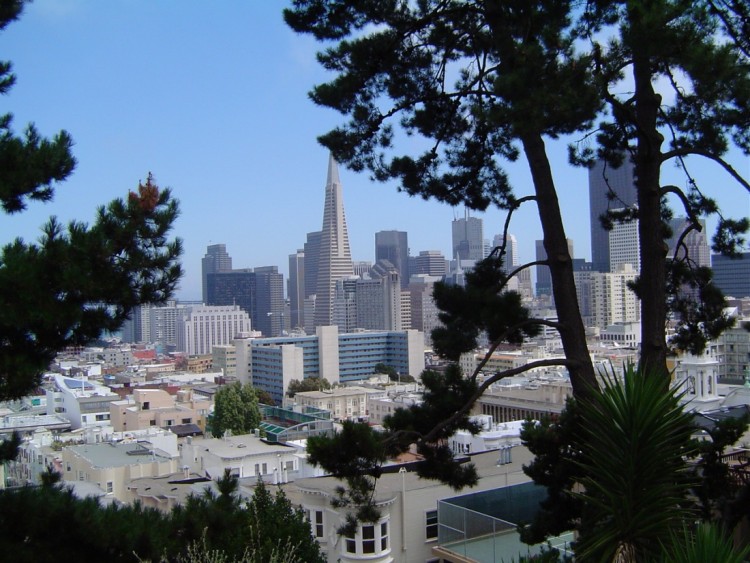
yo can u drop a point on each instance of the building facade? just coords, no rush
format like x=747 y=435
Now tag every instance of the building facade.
x=394 y=247
x=204 y=327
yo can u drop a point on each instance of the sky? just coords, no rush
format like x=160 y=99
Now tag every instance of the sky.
x=212 y=99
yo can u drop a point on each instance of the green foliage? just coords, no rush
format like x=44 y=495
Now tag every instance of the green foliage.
x=554 y=467
x=482 y=305
x=704 y=544
x=235 y=409
x=46 y=524
x=633 y=438
x=720 y=496
x=307 y=384
x=354 y=454
x=123 y=260
x=392 y=374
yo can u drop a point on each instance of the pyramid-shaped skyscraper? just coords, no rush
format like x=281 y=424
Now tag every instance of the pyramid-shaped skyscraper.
x=335 y=257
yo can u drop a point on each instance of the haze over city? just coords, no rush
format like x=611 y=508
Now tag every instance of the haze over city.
x=213 y=101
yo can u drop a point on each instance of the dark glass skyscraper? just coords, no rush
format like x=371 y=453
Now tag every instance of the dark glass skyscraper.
x=609 y=188
x=216 y=260
x=394 y=247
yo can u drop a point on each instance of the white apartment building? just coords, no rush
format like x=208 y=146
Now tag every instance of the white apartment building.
x=245 y=455
x=206 y=326
x=624 y=245
x=612 y=300
x=82 y=402
x=344 y=403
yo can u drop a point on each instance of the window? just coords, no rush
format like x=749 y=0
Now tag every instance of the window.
x=351 y=543
x=187 y=420
x=431 y=525
x=317 y=525
x=109 y=486
x=368 y=539
x=383 y=536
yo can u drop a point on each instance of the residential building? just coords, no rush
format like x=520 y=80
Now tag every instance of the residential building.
x=411 y=527
x=334 y=257
x=624 y=245
x=216 y=260
x=224 y=359
x=80 y=401
x=612 y=300
x=244 y=456
x=732 y=352
x=378 y=299
x=344 y=403
x=147 y=408
x=112 y=466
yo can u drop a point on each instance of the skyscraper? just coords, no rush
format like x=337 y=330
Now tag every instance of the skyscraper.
x=468 y=238
x=216 y=260
x=312 y=251
x=609 y=188
x=394 y=247
x=432 y=263
x=295 y=289
x=334 y=257
x=257 y=291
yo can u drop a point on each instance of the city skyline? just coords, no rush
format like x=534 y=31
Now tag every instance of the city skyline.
x=214 y=103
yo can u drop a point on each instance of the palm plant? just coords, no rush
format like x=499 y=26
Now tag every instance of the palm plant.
x=633 y=440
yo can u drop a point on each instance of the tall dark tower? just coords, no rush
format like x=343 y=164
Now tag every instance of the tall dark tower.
x=394 y=247
x=215 y=261
x=334 y=257
x=295 y=289
x=609 y=188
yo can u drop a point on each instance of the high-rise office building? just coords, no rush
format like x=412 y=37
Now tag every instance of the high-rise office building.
x=378 y=299
x=216 y=260
x=431 y=263
x=295 y=289
x=236 y=287
x=334 y=257
x=732 y=275
x=257 y=291
x=312 y=251
x=269 y=301
x=424 y=312
x=394 y=247
x=204 y=327
x=468 y=238
x=609 y=189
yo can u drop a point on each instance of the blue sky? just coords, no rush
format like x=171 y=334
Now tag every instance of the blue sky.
x=212 y=99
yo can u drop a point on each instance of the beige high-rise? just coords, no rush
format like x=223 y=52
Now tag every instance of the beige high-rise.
x=335 y=258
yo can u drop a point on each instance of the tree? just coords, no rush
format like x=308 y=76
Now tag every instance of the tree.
x=307 y=384
x=235 y=409
x=702 y=57
x=473 y=83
